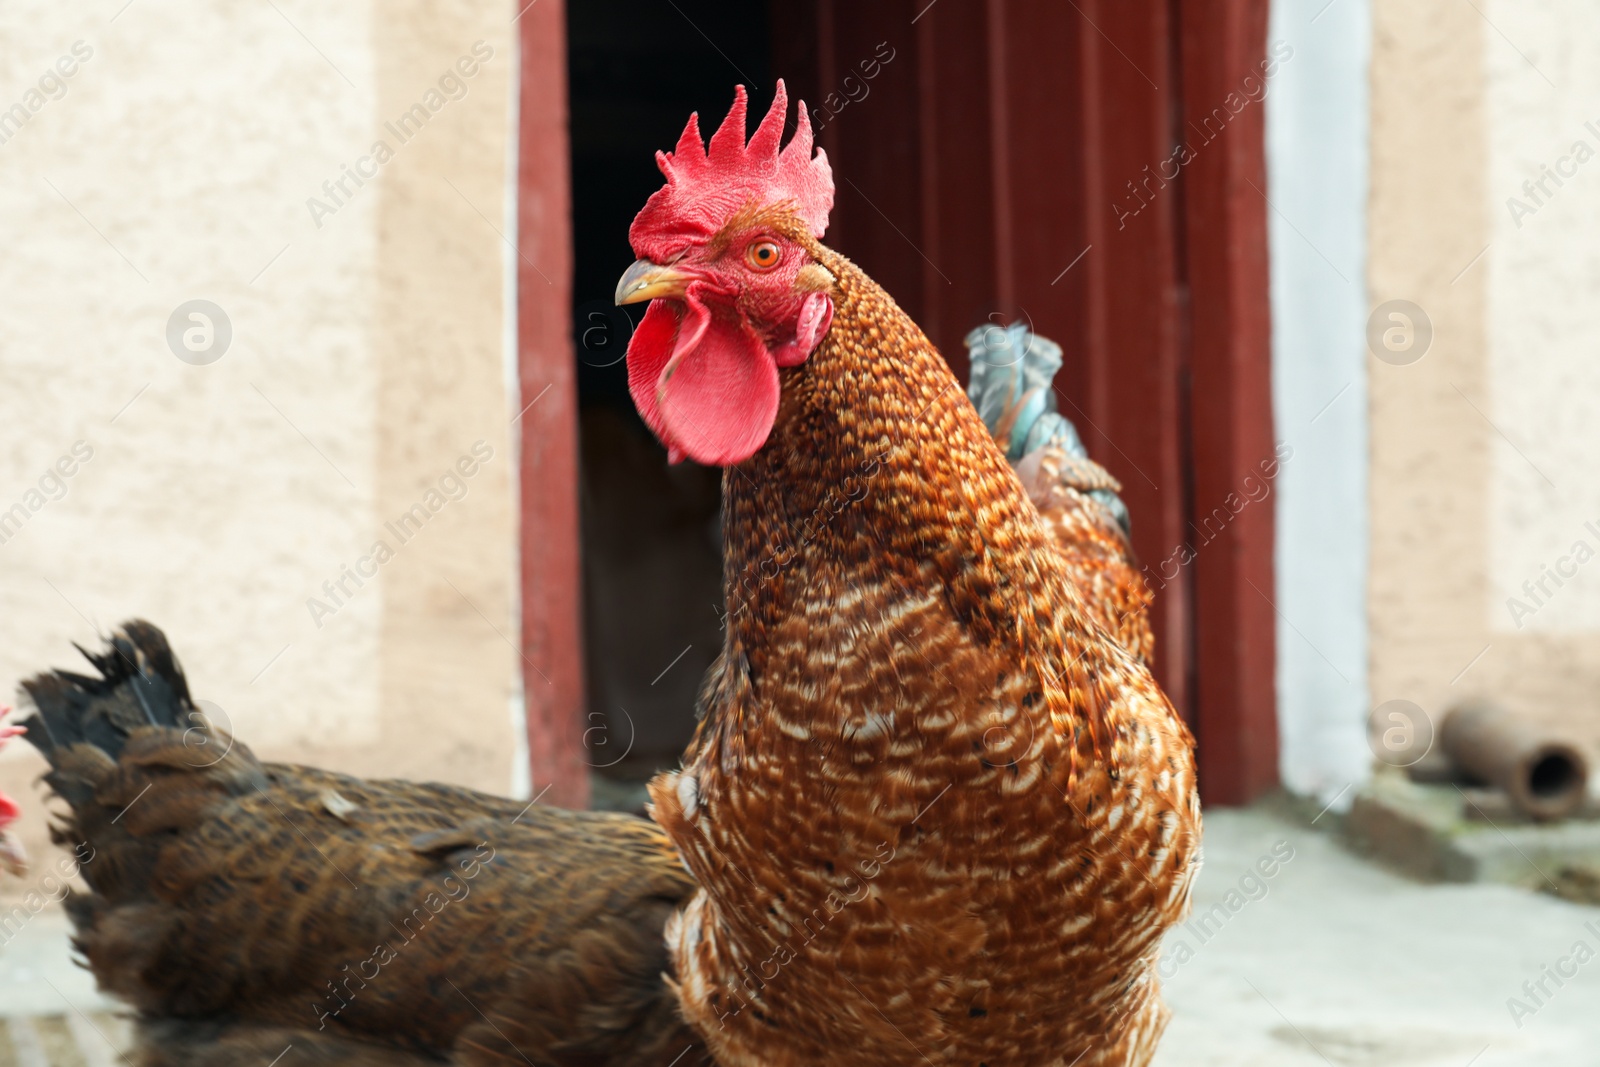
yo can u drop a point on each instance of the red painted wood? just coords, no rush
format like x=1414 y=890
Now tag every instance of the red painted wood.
x=873 y=142
x=961 y=276
x=1002 y=152
x=1223 y=44
x=1043 y=202
x=1135 y=357
x=930 y=144
x=551 y=594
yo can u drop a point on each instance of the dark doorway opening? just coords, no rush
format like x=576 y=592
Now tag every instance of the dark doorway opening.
x=652 y=571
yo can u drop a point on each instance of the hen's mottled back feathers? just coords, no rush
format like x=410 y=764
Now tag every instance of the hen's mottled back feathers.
x=236 y=903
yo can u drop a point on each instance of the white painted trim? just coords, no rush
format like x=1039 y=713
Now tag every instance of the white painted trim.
x=1317 y=162
x=521 y=769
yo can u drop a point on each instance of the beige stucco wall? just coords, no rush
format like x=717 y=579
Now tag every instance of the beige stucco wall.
x=367 y=357
x=1482 y=452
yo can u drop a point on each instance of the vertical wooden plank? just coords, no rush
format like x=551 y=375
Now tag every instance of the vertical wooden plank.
x=1001 y=151
x=827 y=132
x=551 y=633
x=930 y=145
x=1224 y=186
x=959 y=218
x=1092 y=364
x=1136 y=362
x=872 y=135
x=1043 y=98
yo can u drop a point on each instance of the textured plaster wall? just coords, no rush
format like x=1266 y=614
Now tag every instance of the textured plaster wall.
x=1482 y=451
x=1544 y=318
x=366 y=360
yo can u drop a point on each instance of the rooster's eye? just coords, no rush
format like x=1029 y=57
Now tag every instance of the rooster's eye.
x=763 y=255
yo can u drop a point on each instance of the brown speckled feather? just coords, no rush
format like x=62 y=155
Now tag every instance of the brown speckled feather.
x=938 y=814
x=1094 y=549
x=242 y=907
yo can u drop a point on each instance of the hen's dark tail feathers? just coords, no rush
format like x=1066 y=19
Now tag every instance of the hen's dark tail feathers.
x=140 y=684
x=111 y=740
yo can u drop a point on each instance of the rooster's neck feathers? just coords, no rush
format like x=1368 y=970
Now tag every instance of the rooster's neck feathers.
x=879 y=471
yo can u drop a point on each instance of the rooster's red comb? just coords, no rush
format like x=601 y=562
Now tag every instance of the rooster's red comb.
x=705 y=188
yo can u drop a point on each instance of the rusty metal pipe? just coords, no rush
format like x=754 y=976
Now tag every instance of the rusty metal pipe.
x=1546 y=776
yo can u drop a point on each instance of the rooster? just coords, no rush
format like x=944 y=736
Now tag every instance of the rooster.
x=936 y=811
x=246 y=909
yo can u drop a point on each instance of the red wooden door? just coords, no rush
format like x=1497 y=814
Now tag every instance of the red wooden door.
x=1006 y=163
x=1222 y=256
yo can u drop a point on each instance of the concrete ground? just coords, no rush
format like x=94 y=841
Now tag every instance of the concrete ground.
x=1326 y=962
x=1337 y=962
x=50 y=1014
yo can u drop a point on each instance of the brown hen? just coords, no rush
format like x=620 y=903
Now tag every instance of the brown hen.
x=939 y=814
x=245 y=909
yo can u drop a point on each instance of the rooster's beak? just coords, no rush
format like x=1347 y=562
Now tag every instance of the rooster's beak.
x=647 y=281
